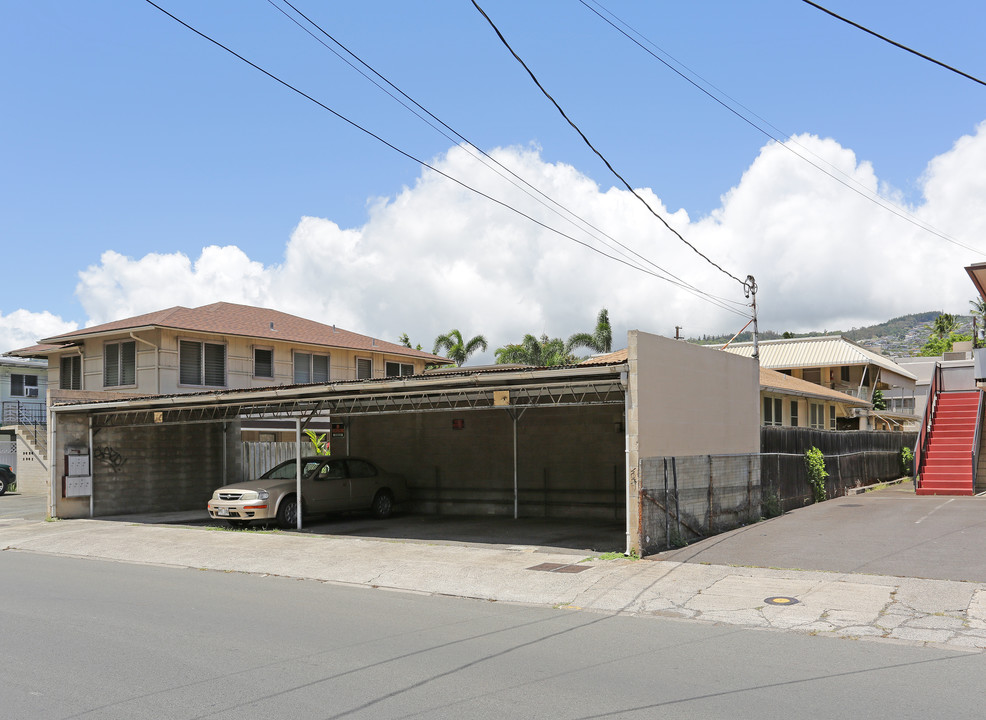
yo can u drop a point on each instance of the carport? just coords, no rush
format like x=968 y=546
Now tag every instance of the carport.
x=569 y=442
x=463 y=439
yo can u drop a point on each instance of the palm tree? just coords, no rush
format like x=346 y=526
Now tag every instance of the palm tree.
x=600 y=341
x=944 y=324
x=543 y=352
x=456 y=348
x=978 y=313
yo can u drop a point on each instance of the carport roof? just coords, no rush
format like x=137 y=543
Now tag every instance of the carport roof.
x=461 y=390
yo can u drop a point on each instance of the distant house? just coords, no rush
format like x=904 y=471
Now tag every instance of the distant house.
x=837 y=363
x=222 y=346
x=23 y=385
x=786 y=401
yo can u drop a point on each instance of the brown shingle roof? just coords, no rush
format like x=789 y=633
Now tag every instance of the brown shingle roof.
x=771 y=380
x=246 y=321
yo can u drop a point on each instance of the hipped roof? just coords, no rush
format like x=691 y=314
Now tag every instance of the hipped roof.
x=223 y=318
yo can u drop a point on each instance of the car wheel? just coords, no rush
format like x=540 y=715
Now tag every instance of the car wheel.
x=383 y=504
x=287 y=513
x=239 y=523
x=3 y=485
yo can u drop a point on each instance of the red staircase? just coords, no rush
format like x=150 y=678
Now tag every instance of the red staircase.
x=947 y=465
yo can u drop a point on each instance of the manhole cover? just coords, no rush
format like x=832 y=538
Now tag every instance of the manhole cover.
x=781 y=600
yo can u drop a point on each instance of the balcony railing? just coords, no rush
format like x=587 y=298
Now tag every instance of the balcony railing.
x=15 y=412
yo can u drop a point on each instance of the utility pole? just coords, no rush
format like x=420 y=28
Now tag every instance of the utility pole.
x=750 y=289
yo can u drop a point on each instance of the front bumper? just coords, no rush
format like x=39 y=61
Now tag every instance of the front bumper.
x=251 y=510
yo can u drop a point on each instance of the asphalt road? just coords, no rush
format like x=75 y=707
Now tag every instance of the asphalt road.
x=96 y=639
x=887 y=532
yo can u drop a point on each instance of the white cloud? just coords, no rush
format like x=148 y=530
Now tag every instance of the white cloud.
x=22 y=328
x=437 y=256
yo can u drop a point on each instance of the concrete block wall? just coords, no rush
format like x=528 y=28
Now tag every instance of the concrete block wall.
x=715 y=494
x=165 y=468
x=32 y=468
x=571 y=461
x=162 y=469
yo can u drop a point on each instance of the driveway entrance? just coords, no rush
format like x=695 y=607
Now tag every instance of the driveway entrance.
x=887 y=532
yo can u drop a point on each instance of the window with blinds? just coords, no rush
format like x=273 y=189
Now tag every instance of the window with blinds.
x=396 y=369
x=263 y=363
x=364 y=368
x=120 y=364
x=201 y=363
x=310 y=368
x=70 y=373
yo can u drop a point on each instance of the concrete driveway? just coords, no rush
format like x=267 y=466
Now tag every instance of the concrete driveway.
x=886 y=532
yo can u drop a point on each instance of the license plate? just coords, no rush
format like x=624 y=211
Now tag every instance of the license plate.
x=222 y=512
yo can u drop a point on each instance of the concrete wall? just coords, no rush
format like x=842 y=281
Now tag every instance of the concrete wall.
x=571 y=461
x=32 y=468
x=691 y=400
x=148 y=469
x=685 y=400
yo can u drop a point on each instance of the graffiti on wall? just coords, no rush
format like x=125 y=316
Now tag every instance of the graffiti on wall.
x=109 y=456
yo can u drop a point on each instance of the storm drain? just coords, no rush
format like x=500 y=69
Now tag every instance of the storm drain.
x=559 y=568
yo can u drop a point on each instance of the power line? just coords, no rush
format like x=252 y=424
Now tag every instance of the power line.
x=471 y=147
x=422 y=162
x=860 y=190
x=599 y=154
x=895 y=43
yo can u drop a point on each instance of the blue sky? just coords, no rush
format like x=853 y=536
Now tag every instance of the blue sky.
x=125 y=132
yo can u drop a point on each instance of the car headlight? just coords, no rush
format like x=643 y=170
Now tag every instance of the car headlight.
x=262 y=495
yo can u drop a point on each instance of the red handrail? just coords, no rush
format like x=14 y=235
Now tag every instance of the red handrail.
x=921 y=448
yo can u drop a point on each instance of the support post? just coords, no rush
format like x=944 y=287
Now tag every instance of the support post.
x=297 y=455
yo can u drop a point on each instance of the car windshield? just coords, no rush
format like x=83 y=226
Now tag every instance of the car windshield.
x=288 y=470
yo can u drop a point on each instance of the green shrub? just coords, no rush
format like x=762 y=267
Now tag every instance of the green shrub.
x=770 y=505
x=907 y=462
x=815 y=465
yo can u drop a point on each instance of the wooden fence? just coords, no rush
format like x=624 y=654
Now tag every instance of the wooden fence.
x=852 y=459
x=259 y=457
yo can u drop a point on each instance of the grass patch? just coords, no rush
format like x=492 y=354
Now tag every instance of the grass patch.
x=611 y=556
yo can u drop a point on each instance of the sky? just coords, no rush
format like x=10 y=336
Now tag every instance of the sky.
x=143 y=167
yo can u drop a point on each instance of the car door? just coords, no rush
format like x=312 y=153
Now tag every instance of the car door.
x=330 y=488
x=364 y=482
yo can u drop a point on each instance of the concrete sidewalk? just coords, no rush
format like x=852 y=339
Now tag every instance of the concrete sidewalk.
x=942 y=613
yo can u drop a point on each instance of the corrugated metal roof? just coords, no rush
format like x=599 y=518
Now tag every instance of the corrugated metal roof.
x=827 y=351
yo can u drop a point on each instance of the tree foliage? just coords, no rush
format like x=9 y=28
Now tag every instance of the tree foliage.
x=453 y=346
x=599 y=341
x=540 y=352
x=937 y=346
x=944 y=324
x=406 y=342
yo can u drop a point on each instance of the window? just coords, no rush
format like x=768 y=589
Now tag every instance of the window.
x=845 y=373
x=396 y=369
x=120 y=364
x=201 y=363
x=309 y=368
x=816 y=416
x=794 y=413
x=831 y=417
x=773 y=410
x=70 y=375
x=263 y=363
x=812 y=375
x=23 y=385
x=364 y=368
